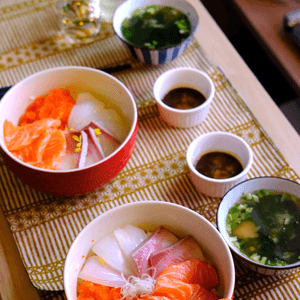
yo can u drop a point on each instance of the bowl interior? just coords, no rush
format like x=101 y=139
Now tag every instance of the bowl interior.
x=77 y=79
x=149 y=215
x=125 y=10
x=251 y=185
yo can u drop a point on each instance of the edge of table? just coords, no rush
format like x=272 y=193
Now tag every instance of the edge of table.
x=265 y=110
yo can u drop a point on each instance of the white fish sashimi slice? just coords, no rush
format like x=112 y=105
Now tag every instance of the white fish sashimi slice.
x=96 y=272
x=130 y=237
x=88 y=97
x=80 y=116
x=86 y=106
x=108 y=249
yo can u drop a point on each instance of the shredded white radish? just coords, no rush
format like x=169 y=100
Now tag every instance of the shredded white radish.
x=137 y=286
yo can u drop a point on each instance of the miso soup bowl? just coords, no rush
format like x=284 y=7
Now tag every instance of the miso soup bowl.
x=221 y=142
x=149 y=215
x=184 y=78
x=233 y=195
x=75 y=181
x=156 y=56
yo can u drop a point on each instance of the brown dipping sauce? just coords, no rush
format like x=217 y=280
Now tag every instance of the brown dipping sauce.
x=184 y=98
x=218 y=165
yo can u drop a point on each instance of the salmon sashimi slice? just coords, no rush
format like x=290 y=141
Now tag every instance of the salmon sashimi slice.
x=176 y=289
x=17 y=137
x=33 y=152
x=184 y=249
x=160 y=239
x=152 y=297
x=54 y=152
x=40 y=143
x=192 y=271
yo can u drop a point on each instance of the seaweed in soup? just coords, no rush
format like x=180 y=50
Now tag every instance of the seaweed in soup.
x=156 y=27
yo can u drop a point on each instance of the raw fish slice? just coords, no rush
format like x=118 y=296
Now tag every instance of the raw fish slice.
x=96 y=272
x=160 y=239
x=33 y=153
x=105 y=131
x=106 y=141
x=17 y=137
x=93 y=155
x=71 y=158
x=178 y=290
x=192 y=271
x=93 y=137
x=86 y=106
x=54 y=152
x=107 y=145
x=108 y=249
x=185 y=249
x=84 y=150
x=129 y=237
x=88 y=97
x=152 y=297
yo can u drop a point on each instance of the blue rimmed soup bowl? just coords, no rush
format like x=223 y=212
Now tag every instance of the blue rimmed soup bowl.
x=161 y=55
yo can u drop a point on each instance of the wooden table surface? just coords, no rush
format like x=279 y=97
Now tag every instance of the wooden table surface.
x=264 y=18
x=14 y=282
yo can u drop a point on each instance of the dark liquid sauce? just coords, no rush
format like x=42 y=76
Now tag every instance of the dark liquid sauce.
x=218 y=165
x=184 y=98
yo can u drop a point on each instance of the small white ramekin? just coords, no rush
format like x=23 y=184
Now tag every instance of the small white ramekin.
x=189 y=78
x=223 y=142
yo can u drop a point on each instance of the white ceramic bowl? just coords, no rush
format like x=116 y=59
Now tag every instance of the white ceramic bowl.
x=223 y=142
x=233 y=195
x=150 y=215
x=188 y=78
x=74 y=181
x=154 y=57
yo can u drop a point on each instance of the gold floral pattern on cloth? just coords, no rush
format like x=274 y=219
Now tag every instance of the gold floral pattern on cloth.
x=45 y=48
x=44 y=226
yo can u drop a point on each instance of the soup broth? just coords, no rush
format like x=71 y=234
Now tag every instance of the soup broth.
x=265 y=226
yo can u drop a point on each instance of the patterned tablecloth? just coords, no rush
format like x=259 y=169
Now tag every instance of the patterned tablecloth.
x=44 y=225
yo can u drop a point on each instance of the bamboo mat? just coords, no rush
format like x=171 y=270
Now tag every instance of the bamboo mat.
x=44 y=225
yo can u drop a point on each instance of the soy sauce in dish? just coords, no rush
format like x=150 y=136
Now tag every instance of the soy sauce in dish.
x=184 y=98
x=218 y=165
